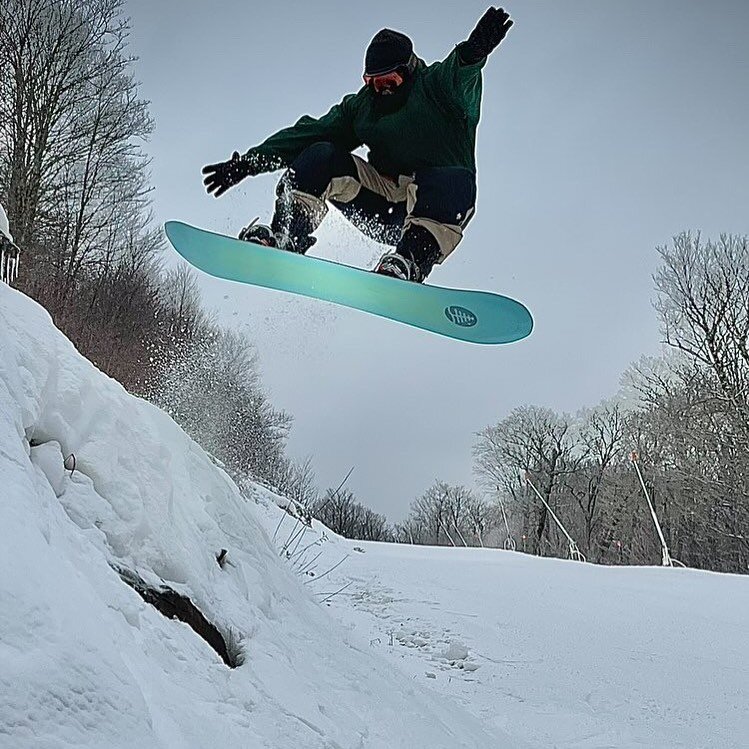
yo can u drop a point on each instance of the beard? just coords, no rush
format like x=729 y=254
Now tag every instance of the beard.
x=391 y=101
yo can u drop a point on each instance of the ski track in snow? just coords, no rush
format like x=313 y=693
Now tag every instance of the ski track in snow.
x=554 y=652
x=373 y=646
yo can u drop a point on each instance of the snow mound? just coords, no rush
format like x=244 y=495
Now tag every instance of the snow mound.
x=94 y=481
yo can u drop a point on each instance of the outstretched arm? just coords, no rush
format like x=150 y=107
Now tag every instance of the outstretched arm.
x=457 y=78
x=485 y=38
x=281 y=148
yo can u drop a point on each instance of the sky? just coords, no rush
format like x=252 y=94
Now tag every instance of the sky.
x=607 y=128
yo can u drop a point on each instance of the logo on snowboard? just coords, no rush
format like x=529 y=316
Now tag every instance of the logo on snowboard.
x=461 y=316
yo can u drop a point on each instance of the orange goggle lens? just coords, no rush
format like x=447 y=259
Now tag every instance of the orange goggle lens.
x=384 y=82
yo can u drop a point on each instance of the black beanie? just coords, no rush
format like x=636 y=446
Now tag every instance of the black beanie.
x=387 y=50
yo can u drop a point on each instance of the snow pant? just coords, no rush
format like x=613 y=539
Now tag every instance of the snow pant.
x=422 y=215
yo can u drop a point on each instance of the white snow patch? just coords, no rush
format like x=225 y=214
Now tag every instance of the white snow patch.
x=557 y=653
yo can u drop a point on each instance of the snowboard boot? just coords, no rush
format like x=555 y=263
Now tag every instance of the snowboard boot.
x=415 y=255
x=293 y=218
x=264 y=235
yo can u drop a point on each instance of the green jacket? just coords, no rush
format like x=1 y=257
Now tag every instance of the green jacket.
x=435 y=127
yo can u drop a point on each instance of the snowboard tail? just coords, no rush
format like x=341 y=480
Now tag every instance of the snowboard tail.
x=473 y=316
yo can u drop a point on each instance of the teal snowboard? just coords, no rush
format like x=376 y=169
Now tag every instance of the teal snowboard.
x=475 y=316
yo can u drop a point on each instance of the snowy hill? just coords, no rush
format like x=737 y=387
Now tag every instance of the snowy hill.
x=86 y=662
x=334 y=644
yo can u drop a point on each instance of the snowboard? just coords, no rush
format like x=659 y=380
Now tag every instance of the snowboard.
x=473 y=316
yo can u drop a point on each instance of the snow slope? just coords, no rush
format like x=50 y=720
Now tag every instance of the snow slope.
x=346 y=644
x=558 y=653
x=85 y=662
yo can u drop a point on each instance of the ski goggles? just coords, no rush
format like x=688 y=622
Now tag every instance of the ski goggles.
x=384 y=81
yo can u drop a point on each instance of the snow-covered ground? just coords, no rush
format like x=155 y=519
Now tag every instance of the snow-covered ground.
x=557 y=653
x=419 y=647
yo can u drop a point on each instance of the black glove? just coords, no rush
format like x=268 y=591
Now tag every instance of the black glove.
x=226 y=174
x=489 y=32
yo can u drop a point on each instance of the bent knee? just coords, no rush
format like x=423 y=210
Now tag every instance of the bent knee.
x=320 y=163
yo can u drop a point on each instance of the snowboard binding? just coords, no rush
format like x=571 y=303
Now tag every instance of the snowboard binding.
x=397 y=266
x=264 y=235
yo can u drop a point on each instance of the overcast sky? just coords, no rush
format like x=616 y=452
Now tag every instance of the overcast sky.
x=607 y=128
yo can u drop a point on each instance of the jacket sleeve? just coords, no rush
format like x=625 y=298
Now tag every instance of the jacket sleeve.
x=281 y=148
x=458 y=85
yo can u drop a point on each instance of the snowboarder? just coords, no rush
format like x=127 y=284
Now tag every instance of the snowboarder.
x=417 y=189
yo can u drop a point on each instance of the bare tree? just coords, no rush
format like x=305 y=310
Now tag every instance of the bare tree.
x=533 y=440
x=67 y=103
x=213 y=391
x=704 y=307
x=448 y=516
x=602 y=436
x=701 y=409
x=697 y=464
x=180 y=298
x=295 y=480
x=340 y=511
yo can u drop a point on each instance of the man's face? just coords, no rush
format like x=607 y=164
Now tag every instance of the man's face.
x=385 y=83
